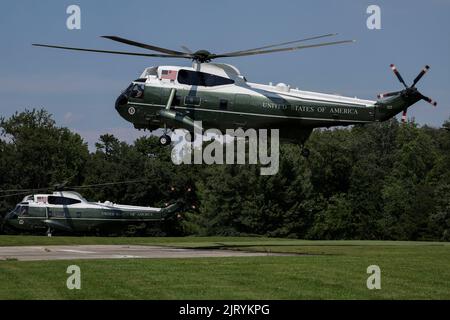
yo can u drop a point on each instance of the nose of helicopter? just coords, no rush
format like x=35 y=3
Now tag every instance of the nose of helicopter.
x=121 y=105
x=8 y=219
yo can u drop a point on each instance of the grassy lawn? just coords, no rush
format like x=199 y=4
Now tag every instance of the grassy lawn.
x=188 y=241
x=323 y=270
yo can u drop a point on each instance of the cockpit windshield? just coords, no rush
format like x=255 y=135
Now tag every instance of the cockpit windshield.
x=19 y=211
x=148 y=72
x=22 y=210
x=135 y=90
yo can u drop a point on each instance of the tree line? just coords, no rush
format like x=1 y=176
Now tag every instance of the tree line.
x=378 y=181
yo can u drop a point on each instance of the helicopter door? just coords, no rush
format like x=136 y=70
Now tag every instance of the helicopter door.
x=153 y=95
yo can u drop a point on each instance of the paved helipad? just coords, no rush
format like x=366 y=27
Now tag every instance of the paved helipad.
x=34 y=253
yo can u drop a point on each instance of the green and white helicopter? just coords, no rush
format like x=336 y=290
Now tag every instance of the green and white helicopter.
x=65 y=210
x=172 y=97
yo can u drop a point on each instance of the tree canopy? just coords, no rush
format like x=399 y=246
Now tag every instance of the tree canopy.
x=379 y=181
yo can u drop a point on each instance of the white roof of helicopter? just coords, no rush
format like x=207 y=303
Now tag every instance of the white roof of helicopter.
x=39 y=198
x=242 y=86
x=42 y=199
x=219 y=69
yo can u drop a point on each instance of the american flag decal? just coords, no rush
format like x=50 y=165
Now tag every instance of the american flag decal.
x=169 y=74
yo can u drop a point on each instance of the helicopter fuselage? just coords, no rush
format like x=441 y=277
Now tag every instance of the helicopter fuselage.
x=219 y=97
x=70 y=212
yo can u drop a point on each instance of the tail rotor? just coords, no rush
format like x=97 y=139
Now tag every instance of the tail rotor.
x=394 y=69
x=408 y=89
x=420 y=75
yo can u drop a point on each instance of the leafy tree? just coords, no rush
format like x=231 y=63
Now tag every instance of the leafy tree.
x=379 y=181
x=335 y=221
x=38 y=154
x=331 y=161
x=406 y=195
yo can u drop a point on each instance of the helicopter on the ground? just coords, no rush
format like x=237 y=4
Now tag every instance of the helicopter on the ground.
x=173 y=97
x=69 y=212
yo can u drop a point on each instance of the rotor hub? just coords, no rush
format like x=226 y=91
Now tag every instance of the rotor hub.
x=202 y=56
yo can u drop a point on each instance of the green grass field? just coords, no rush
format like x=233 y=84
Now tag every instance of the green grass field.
x=321 y=270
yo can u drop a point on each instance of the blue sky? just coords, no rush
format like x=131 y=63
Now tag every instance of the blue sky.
x=79 y=89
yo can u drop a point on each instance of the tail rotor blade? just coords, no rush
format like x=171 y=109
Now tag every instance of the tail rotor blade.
x=429 y=100
x=394 y=69
x=420 y=75
x=404 y=116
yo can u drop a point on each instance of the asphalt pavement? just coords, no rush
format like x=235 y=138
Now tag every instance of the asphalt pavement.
x=36 y=253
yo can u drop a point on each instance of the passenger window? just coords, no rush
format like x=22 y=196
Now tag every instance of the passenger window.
x=223 y=104
x=195 y=78
x=62 y=201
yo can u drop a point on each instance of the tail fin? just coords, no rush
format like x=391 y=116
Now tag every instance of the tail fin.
x=173 y=208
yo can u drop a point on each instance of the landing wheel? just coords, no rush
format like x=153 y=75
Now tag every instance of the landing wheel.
x=165 y=140
x=49 y=232
x=305 y=152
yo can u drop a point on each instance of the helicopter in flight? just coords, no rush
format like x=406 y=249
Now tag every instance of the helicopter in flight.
x=219 y=96
x=67 y=211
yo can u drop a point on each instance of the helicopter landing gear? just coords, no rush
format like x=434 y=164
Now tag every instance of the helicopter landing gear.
x=49 y=232
x=165 y=140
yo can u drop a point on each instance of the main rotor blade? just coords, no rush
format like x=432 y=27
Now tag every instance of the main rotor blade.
x=420 y=75
x=284 y=43
x=107 y=184
x=113 y=52
x=279 y=50
x=15 y=194
x=144 y=45
x=187 y=49
x=23 y=190
x=394 y=69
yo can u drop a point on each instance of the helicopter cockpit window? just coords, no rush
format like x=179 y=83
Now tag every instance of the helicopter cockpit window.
x=22 y=211
x=128 y=89
x=137 y=91
x=15 y=213
x=196 y=78
x=62 y=201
